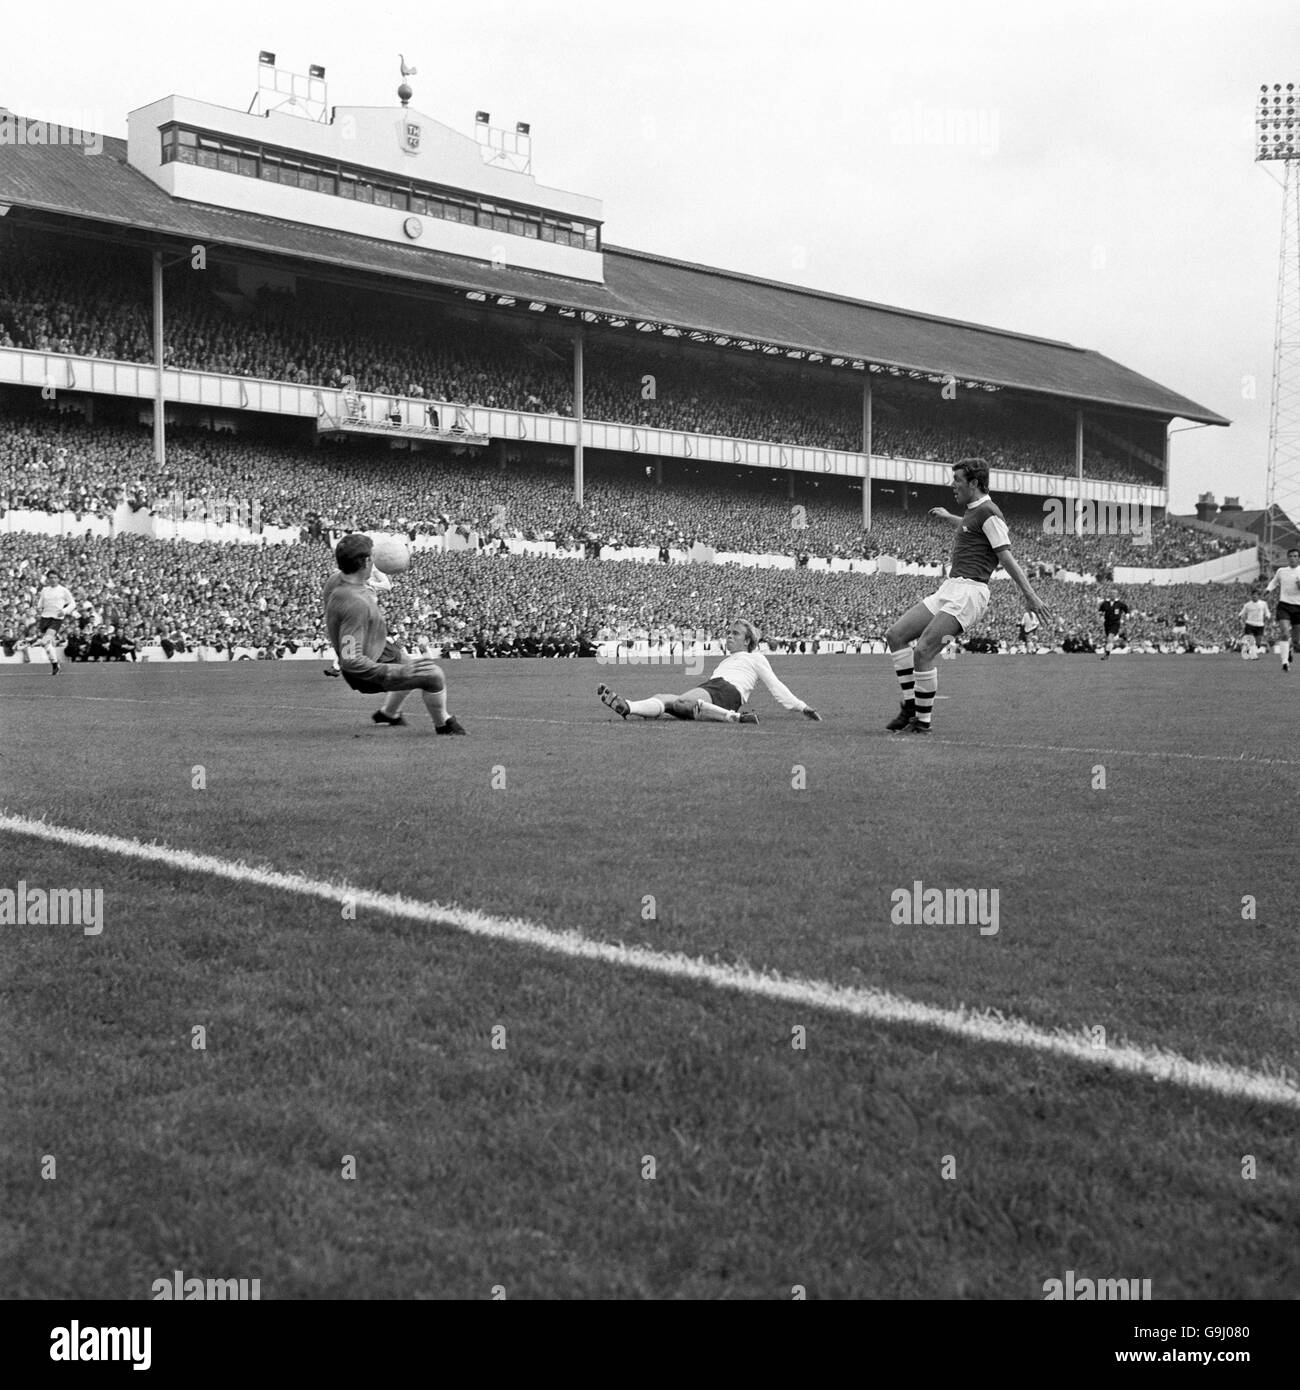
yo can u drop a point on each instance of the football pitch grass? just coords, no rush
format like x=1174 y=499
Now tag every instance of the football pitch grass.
x=385 y=1104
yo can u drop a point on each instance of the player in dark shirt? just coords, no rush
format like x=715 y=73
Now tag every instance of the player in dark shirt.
x=958 y=604
x=1112 y=610
x=369 y=662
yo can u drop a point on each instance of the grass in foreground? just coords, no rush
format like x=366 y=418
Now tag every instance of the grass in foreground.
x=523 y=1166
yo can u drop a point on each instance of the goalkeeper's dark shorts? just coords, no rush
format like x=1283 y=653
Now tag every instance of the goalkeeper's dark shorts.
x=390 y=656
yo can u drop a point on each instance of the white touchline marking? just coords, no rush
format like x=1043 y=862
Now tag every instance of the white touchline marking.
x=877 y=1005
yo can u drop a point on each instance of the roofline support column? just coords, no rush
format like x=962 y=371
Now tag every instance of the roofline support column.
x=159 y=422
x=577 y=415
x=1078 y=448
x=866 y=449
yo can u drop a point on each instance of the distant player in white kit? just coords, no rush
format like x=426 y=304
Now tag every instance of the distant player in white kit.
x=1287 y=583
x=53 y=606
x=720 y=699
x=1254 y=615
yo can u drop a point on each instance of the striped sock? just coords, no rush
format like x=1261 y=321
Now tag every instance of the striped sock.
x=904 y=667
x=927 y=682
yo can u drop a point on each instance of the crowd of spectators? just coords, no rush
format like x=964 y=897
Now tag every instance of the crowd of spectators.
x=95 y=302
x=55 y=462
x=132 y=592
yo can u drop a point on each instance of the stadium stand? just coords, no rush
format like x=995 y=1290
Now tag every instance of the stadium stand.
x=94 y=302
x=56 y=463
x=226 y=595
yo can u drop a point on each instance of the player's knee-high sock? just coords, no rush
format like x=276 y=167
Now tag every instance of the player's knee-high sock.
x=715 y=714
x=652 y=708
x=905 y=668
x=435 y=701
x=927 y=682
x=393 y=702
x=1286 y=650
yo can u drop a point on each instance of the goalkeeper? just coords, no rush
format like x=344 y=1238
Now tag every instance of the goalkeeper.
x=369 y=662
x=720 y=699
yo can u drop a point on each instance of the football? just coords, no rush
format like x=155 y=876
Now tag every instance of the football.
x=391 y=554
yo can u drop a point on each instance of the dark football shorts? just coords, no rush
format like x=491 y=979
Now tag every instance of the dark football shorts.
x=57 y=623
x=722 y=693
x=1253 y=631
x=1112 y=631
x=1288 y=613
x=388 y=656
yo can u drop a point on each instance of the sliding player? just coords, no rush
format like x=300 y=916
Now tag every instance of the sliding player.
x=369 y=662
x=1287 y=583
x=54 y=605
x=720 y=698
x=960 y=601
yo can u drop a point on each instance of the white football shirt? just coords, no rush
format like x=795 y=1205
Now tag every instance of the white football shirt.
x=56 y=601
x=1287 y=582
x=1254 y=613
x=745 y=669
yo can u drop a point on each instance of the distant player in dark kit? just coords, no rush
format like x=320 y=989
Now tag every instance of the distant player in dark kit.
x=958 y=604
x=1287 y=583
x=1113 y=611
x=368 y=661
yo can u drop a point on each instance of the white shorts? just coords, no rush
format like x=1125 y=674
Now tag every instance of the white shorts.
x=965 y=599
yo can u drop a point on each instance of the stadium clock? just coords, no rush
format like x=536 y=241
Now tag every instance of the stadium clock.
x=413 y=227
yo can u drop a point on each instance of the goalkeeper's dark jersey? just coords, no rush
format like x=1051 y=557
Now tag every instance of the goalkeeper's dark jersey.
x=356 y=625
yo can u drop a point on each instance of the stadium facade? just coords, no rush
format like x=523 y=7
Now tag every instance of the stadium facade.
x=392 y=201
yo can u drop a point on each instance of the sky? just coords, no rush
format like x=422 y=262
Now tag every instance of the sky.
x=1095 y=180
